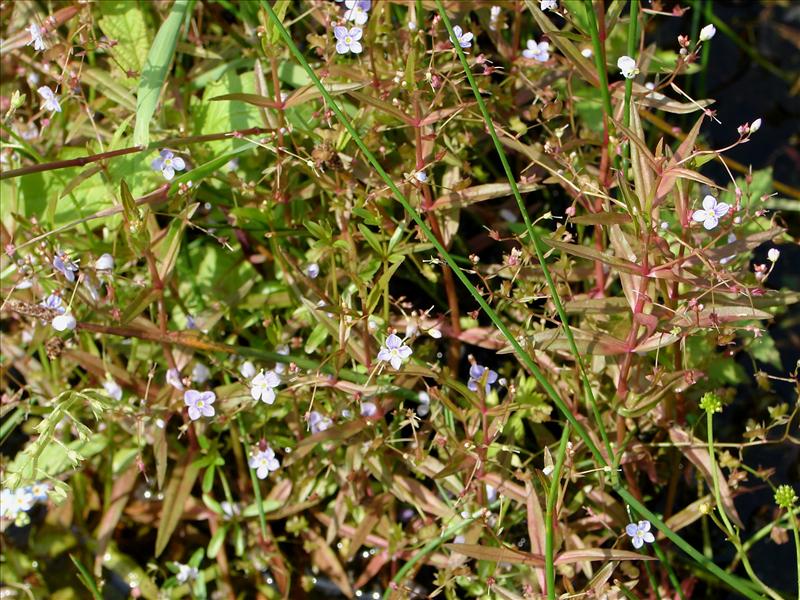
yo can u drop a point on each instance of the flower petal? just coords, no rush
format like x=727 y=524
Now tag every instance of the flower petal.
x=631 y=529
x=711 y=221
x=397 y=362
x=340 y=33
x=709 y=202
x=194 y=413
x=648 y=537
x=699 y=215
x=356 y=33
x=637 y=542
x=178 y=163
x=355 y=47
x=721 y=209
x=168 y=173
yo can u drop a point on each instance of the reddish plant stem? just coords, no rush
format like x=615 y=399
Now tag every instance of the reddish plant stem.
x=449 y=282
x=85 y=160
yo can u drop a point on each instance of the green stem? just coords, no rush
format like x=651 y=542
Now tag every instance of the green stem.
x=256 y=487
x=552 y=496
x=632 y=44
x=599 y=59
x=532 y=235
x=796 y=530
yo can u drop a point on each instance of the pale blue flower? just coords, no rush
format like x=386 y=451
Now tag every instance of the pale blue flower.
x=347 y=40
x=38 y=490
x=65 y=266
x=357 y=10
x=200 y=403
x=318 y=423
x=50 y=99
x=36 y=37
x=539 y=52
x=368 y=409
x=394 y=351
x=168 y=163
x=711 y=212
x=264 y=461
x=263 y=385
x=476 y=375
x=640 y=533
x=462 y=39
x=186 y=573
x=54 y=302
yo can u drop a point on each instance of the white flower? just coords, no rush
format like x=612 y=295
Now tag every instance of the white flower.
x=412 y=25
x=755 y=126
x=14 y=502
x=50 y=99
x=711 y=212
x=587 y=53
x=186 y=573
x=200 y=373
x=264 y=461
x=36 y=37
x=199 y=403
x=112 y=388
x=548 y=4
x=312 y=270
x=357 y=11
x=707 y=32
x=627 y=67
x=421 y=176
x=639 y=533
x=424 y=404
x=64 y=322
x=773 y=254
x=247 y=370
x=540 y=51
x=462 y=39
x=394 y=351
x=174 y=379
x=263 y=386
x=104 y=263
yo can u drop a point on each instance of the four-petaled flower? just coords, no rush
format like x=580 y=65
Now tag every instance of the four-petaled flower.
x=548 y=4
x=639 y=533
x=199 y=403
x=38 y=490
x=104 y=263
x=462 y=39
x=476 y=374
x=168 y=163
x=357 y=11
x=627 y=67
x=263 y=385
x=347 y=39
x=317 y=423
x=36 y=37
x=540 y=51
x=394 y=351
x=13 y=502
x=264 y=461
x=711 y=212
x=65 y=266
x=53 y=302
x=50 y=99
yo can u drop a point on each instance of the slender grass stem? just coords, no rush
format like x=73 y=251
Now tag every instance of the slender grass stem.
x=532 y=235
x=256 y=488
x=552 y=496
x=632 y=44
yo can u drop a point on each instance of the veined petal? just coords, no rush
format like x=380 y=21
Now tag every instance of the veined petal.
x=644 y=525
x=699 y=215
x=355 y=47
x=168 y=172
x=384 y=354
x=178 y=163
x=637 y=542
x=648 y=537
x=405 y=351
x=711 y=221
x=356 y=33
x=721 y=209
x=397 y=362
x=340 y=33
x=709 y=202
x=631 y=529
x=194 y=413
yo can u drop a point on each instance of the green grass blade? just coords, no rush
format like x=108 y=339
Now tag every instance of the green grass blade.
x=155 y=71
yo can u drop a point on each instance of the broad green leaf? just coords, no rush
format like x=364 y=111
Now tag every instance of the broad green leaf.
x=155 y=71
x=124 y=22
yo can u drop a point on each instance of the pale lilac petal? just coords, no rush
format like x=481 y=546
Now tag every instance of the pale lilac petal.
x=208 y=410
x=157 y=164
x=268 y=396
x=168 y=172
x=262 y=472
x=342 y=48
x=273 y=464
x=194 y=413
x=178 y=163
x=404 y=352
x=356 y=48
x=631 y=529
x=644 y=525
x=384 y=355
x=648 y=537
x=340 y=33
x=356 y=33
x=472 y=385
x=458 y=31
x=393 y=341
x=529 y=53
x=721 y=209
x=190 y=397
x=166 y=154
x=711 y=221
x=699 y=215
x=396 y=362
x=475 y=371
x=637 y=542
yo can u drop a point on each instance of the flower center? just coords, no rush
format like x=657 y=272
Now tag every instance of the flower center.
x=200 y=404
x=167 y=162
x=348 y=40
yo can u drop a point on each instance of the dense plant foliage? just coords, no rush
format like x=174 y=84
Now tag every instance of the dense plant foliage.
x=390 y=298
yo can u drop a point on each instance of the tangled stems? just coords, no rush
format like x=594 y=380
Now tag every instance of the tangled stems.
x=734 y=582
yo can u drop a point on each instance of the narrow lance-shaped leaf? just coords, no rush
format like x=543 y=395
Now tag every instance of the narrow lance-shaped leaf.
x=155 y=71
